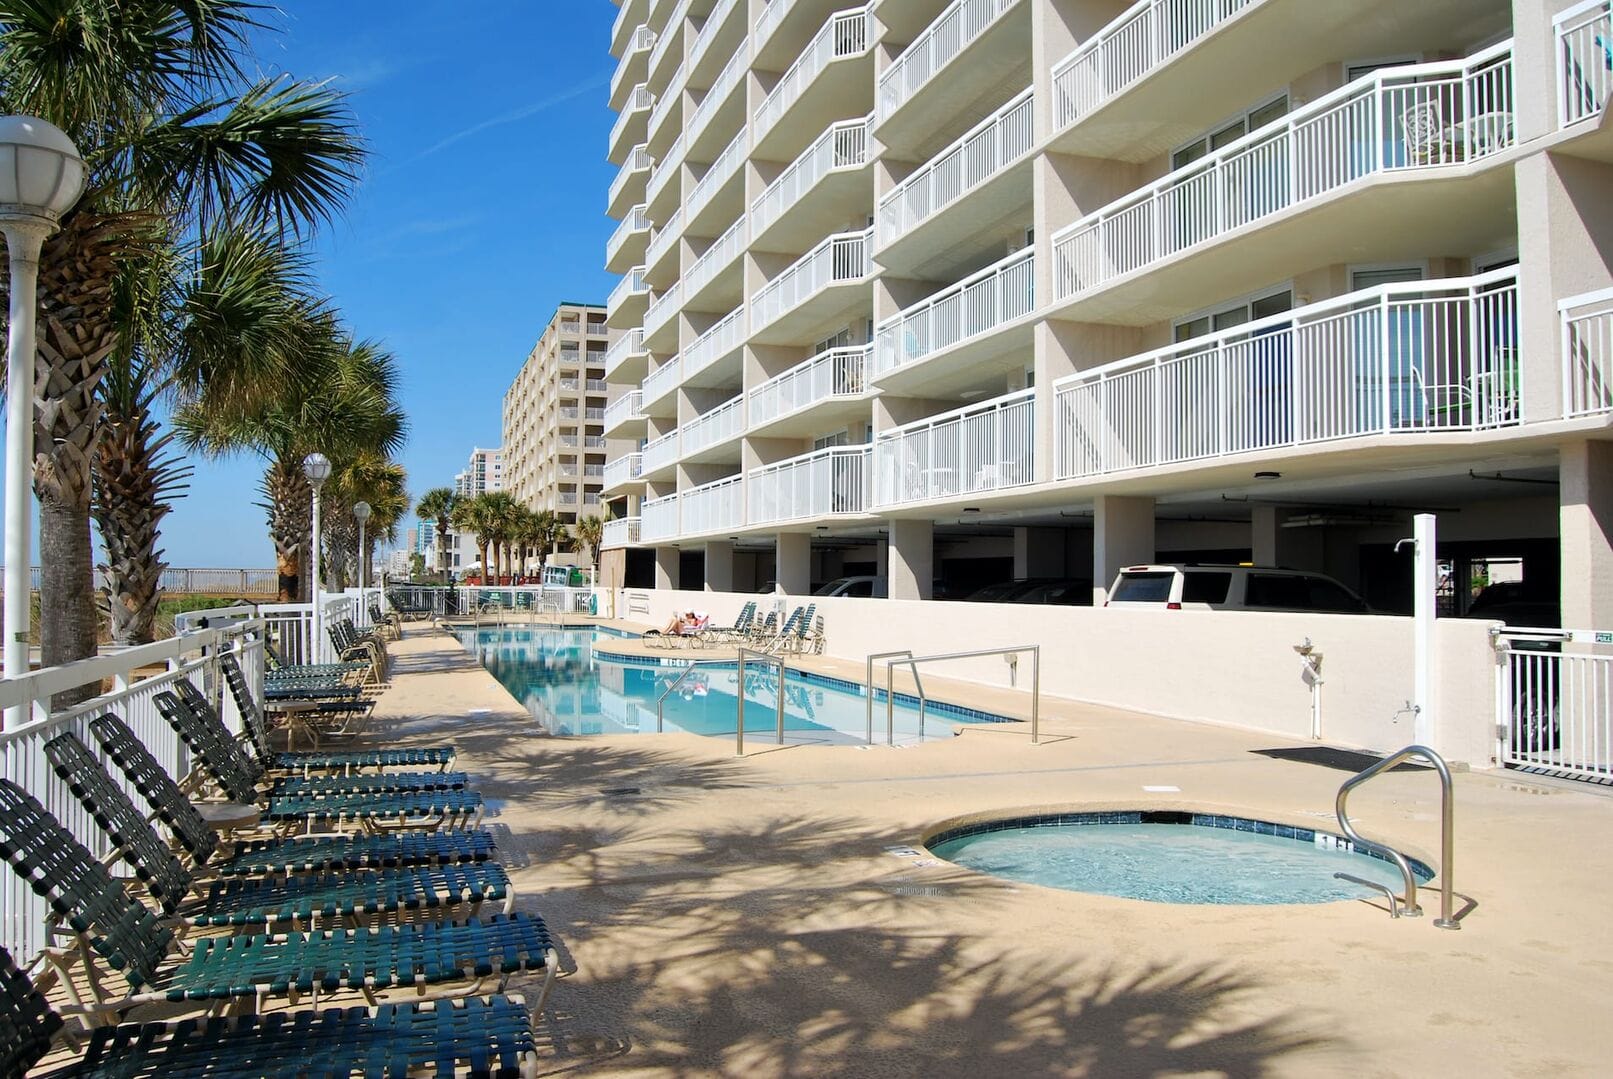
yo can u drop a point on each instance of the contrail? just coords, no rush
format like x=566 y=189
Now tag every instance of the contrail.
x=519 y=114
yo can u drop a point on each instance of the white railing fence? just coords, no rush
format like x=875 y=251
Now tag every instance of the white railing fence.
x=662 y=308
x=660 y=453
x=136 y=676
x=659 y=519
x=1138 y=41
x=981 y=302
x=840 y=258
x=630 y=343
x=716 y=258
x=818 y=484
x=846 y=34
x=639 y=101
x=1556 y=705
x=712 y=345
x=712 y=507
x=1412 y=357
x=721 y=424
x=632 y=282
x=839 y=372
x=1401 y=118
x=730 y=76
x=1587 y=351
x=663 y=239
x=628 y=407
x=622 y=532
x=842 y=146
x=961 y=23
x=983 y=447
x=1584 y=35
x=669 y=166
x=719 y=172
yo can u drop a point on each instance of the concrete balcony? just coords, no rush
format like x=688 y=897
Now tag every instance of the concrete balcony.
x=1403 y=360
x=1392 y=164
x=622 y=532
x=660 y=319
x=825 y=280
x=714 y=437
x=624 y=306
x=668 y=46
x=829 y=388
x=1584 y=33
x=626 y=358
x=628 y=187
x=658 y=522
x=593 y=413
x=664 y=193
x=622 y=474
x=961 y=454
x=925 y=222
x=721 y=110
x=713 y=507
x=631 y=125
x=1587 y=342
x=629 y=15
x=721 y=35
x=784 y=26
x=658 y=386
x=719 y=195
x=962 y=334
x=828 y=81
x=822 y=484
x=713 y=358
x=661 y=253
x=625 y=248
x=815 y=192
x=666 y=119
x=976 y=44
x=713 y=282
x=632 y=67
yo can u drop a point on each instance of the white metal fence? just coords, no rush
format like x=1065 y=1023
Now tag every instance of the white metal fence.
x=1400 y=118
x=665 y=238
x=635 y=221
x=638 y=160
x=954 y=29
x=662 y=308
x=818 y=484
x=660 y=453
x=623 y=410
x=1409 y=357
x=708 y=33
x=1556 y=703
x=670 y=100
x=665 y=170
x=1138 y=41
x=715 y=259
x=639 y=101
x=719 y=172
x=661 y=381
x=839 y=259
x=846 y=34
x=984 y=151
x=729 y=77
x=622 y=532
x=844 y=146
x=1584 y=35
x=630 y=343
x=135 y=677
x=839 y=372
x=722 y=424
x=659 y=519
x=722 y=340
x=981 y=302
x=1587 y=348
x=712 y=507
x=983 y=447
x=632 y=283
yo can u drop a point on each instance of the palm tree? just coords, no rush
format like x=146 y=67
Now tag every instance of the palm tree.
x=472 y=516
x=176 y=139
x=502 y=518
x=363 y=477
x=547 y=528
x=438 y=505
x=586 y=535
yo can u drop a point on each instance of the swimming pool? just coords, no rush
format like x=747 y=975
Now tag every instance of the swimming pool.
x=1170 y=857
x=571 y=689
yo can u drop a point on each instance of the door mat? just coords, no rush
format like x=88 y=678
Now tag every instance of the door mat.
x=1343 y=760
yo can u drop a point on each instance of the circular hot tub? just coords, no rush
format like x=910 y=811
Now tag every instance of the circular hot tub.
x=1167 y=856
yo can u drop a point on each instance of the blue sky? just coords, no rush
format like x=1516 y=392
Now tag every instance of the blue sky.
x=482 y=209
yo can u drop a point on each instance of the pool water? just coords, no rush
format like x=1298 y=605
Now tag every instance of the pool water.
x=1174 y=863
x=569 y=688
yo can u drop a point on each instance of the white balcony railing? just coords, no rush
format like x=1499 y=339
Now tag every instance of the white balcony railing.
x=1587 y=347
x=723 y=85
x=569 y=383
x=1135 y=43
x=843 y=147
x=641 y=40
x=987 y=149
x=622 y=532
x=1394 y=119
x=708 y=33
x=568 y=412
x=1584 y=35
x=712 y=507
x=670 y=30
x=662 y=381
x=670 y=97
x=630 y=343
x=845 y=35
x=953 y=30
x=666 y=169
x=567 y=498
x=769 y=20
x=638 y=161
x=593 y=412
x=591 y=498
x=824 y=483
x=664 y=237
x=632 y=282
x=722 y=424
x=716 y=258
x=1403 y=358
x=594 y=442
x=659 y=520
x=595 y=385
x=663 y=307
x=726 y=165
x=980 y=303
x=660 y=453
x=982 y=447
x=838 y=260
x=593 y=471
x=719 y=341
x=639 y=101
x=635 y=221
x=624 y=469
x=839 y=372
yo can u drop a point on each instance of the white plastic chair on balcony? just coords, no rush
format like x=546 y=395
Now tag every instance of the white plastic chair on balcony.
x=1427 y=139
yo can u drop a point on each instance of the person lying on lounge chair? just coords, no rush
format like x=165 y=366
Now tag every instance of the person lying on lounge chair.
x=679 y=623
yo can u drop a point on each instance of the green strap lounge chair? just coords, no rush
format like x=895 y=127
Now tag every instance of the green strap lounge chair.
x=278 y=665
x=286 y=902
x=112 y=932
x=270 y=856
x=737 y=631
x=487 y=1038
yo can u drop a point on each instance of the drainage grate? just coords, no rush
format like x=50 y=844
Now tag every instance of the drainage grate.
x=619 y=792
x=1343 y=760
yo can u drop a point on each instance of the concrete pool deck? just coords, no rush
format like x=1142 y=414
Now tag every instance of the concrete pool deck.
x=733 y=916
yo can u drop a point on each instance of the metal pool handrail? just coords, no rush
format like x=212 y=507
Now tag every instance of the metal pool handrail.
x=768 y=659
x=913 y=661
x=660 y=702
x=1447 y=813
x=868 y=683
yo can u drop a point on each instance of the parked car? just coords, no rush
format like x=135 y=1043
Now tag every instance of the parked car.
x=1072 y=591
x=1231 y=588
x=877 y=587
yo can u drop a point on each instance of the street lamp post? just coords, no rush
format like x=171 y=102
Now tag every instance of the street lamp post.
x=361 y=513
x=316 y=466
x=41 y=176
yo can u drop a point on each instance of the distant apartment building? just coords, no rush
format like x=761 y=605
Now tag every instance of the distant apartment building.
x=554 y=416
x=483 y=473
x=955 y=292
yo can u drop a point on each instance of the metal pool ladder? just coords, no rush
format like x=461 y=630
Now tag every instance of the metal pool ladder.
x=1446 y=823
x=765 y=658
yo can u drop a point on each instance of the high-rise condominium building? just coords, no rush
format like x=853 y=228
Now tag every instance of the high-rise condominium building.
x=483 y=473
x=953 y=292
x=554 y=416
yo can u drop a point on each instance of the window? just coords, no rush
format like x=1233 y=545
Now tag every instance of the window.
x=839 y=340
x=1235 y=129
x=839 y=438
x=1235 y=314
x=1201 y=587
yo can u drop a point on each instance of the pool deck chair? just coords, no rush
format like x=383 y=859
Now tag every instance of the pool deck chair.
x=270 y=856
x=112 y=933
x=741 y=625
x=489 y=1037
x=286 y=903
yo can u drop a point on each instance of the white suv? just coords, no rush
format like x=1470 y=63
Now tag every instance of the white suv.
x=1231 y=588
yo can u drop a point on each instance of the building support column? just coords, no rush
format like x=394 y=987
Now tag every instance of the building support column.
x=720 y=566
x=1586 y=515
x=793 y=563
x=1038 y=552
x=1122 y=535
x=666 y=567
x=912 y=558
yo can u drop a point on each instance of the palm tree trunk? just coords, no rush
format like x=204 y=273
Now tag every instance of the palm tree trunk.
x=442 y=546
x=132 y=481
x=290 y=520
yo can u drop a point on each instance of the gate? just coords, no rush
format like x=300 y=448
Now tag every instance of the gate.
x=1555 y=704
